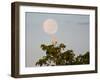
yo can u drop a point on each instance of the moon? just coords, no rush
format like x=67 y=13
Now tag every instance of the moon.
x=50 y=26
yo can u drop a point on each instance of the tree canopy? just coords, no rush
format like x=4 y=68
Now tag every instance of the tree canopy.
x=57 y=55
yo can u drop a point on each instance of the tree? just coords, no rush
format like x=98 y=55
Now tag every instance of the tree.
x=82 y=59
x=56 y=55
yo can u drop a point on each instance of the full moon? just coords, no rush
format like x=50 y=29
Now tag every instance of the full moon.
x=50 y=26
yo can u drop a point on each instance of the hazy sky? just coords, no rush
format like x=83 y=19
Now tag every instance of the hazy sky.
x=73 y=31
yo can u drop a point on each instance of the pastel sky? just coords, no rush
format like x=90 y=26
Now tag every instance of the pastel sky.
x=73 y=31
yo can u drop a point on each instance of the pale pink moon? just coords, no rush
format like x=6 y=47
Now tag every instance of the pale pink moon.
x=50 y=26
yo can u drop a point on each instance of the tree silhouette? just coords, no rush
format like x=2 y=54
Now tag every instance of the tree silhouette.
x=56 y=55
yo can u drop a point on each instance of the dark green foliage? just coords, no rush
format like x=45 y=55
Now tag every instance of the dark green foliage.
x=56 y=55
x=83 y=59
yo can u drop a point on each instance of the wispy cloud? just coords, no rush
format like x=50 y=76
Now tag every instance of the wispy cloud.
x=83 y=23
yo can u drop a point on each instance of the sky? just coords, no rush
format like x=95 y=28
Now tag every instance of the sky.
x=73 y=31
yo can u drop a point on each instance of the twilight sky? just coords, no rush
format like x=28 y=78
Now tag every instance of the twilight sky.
x=73 y=31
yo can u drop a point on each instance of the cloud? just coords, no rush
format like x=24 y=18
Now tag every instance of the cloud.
x=83 y=23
